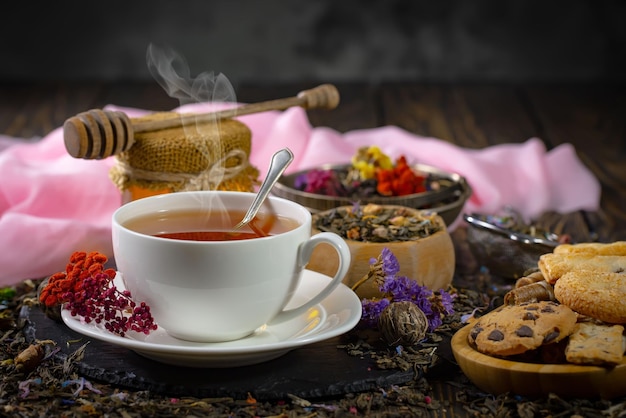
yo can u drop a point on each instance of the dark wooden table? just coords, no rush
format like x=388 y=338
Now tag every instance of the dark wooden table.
x=591 y=117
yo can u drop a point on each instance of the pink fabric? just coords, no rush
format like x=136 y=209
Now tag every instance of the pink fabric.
x=52 y=204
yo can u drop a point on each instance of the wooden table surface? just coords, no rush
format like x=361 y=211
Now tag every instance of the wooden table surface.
x=591 y=117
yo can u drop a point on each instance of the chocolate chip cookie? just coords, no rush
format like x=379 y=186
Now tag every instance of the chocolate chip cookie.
x=515 y=329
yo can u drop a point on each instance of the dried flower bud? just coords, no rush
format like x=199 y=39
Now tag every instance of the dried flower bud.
x=403 y=323
x=371 y=209
x=30 y=358
x=381 y=232
x=399 y=221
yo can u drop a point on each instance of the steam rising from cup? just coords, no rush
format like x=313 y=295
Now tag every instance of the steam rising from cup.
x=171 y=71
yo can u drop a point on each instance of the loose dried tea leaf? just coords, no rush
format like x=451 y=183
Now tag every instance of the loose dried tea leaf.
x=378 y=223
x=7 y=320
x=423 y=396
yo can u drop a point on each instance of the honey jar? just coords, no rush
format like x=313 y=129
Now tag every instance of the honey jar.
x=196 y=156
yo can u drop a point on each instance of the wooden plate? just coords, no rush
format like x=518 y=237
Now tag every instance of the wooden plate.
x=497 y=376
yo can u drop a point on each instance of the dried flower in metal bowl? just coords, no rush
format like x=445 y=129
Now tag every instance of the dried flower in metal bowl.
x=373 y=178
x=372 y=173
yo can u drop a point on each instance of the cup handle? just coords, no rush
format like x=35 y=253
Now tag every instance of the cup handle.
x=304 y=254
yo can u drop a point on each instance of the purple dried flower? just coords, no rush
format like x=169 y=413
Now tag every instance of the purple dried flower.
x=391 y=266
x=434 y=321
x=384 y=268
x=371 y=310
x=426 y=307
x=447 y=302
x=400 y=288
x=300 y=181
x=441 y=304
x=320 y=182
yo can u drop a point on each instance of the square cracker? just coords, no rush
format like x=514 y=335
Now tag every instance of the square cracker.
x=595 y=344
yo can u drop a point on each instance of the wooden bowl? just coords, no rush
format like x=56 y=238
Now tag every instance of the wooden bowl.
x=430 y=260
x=496 y=376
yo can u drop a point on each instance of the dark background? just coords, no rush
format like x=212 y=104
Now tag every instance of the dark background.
x=328 y=40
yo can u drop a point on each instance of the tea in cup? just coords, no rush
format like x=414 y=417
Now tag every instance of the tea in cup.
x=205 y=281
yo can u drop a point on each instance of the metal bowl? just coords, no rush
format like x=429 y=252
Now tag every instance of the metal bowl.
x=506 y=252
x=447 y=202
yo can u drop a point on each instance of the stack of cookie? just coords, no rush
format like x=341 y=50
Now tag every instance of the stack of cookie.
x=571 y=309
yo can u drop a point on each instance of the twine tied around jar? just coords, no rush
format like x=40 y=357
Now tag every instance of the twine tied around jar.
x=208 y=179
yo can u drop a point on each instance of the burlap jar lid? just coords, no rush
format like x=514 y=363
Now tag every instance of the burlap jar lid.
x=200 y=156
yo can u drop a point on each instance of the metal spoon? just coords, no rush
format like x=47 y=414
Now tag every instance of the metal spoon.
x=280 y=160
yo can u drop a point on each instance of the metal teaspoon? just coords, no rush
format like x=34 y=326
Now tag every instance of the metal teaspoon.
x=280 y=160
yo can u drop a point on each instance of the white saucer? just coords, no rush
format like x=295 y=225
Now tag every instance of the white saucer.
x=335 y=315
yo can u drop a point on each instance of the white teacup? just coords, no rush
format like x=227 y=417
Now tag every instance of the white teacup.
x=211 y=291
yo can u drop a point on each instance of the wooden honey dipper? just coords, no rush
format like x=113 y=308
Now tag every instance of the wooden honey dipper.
x=96 y=133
